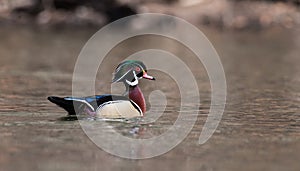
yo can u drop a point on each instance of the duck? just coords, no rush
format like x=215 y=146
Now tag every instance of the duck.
x=129 y=105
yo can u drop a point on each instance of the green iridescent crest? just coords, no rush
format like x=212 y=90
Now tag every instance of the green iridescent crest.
x=126 y=68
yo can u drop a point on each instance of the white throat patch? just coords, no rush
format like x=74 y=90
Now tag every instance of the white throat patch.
x=135 y=82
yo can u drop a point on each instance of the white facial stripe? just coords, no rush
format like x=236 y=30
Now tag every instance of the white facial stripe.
x=135 y=82
x=127 y=71
x=120 y=66
x=122 y=76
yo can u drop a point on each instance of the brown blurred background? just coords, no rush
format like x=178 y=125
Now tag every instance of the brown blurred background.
x=232 y=14
x=258 y=43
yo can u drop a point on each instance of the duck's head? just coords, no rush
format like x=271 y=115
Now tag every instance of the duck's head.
x=129 y=72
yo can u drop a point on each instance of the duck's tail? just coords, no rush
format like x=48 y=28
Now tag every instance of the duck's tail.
x=66 y=104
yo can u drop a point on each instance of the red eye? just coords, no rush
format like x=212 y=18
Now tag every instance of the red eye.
x=137 y=69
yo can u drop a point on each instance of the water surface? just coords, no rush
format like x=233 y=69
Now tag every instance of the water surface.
x=260 y=128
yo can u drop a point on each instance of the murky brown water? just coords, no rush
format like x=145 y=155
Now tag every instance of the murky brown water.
x=260 y=128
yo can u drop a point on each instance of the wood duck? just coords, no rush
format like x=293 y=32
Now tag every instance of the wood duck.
x=131 y=105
